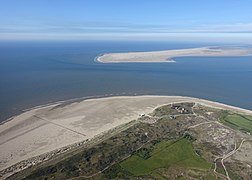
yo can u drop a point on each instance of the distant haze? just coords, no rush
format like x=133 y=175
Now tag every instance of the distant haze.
x=202 y=21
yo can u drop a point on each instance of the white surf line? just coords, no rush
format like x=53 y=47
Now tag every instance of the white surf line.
x=60 y=126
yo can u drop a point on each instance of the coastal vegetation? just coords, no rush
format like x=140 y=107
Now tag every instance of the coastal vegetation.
x=175 y=141
x=237 y=121
x=164 y=155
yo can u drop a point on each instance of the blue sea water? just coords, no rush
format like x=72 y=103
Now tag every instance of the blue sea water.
x=35 y=73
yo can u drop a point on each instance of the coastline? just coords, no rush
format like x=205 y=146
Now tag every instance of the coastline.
x=168 y=55
x=57 y=102
x=63 y=119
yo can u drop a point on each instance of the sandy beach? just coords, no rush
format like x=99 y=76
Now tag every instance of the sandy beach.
x=47 y=128
x=167 y=55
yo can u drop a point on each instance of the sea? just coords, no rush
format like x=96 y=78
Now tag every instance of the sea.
x=37 y=73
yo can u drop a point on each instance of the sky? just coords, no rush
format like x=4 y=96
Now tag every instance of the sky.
x=229 y=20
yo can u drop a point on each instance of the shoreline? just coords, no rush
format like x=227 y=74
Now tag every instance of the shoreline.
x=60 y=102
x=95 y=97
x=166 y=56
x=94 y=121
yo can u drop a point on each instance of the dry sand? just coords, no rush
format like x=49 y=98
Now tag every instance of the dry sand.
x=166 y=56
x=44 y=129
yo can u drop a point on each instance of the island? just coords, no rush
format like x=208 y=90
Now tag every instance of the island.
x=128 y=137
x=167 y=55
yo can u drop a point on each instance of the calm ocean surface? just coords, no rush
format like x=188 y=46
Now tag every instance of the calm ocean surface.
x=38 y=73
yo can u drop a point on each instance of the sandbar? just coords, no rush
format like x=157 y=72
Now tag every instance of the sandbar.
x=168 y=55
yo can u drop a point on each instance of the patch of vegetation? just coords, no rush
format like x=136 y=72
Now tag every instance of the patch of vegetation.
x=164 y=155
x=144 y=153
x=237 y=121
x=210 y=113
x=116 y=171
x=220 y=168
x=210 y=177
x=173 y=109
x=189 y=137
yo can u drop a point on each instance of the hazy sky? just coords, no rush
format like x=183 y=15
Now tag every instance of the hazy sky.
x=126 y=19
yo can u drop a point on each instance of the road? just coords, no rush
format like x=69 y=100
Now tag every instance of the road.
x=225 y=156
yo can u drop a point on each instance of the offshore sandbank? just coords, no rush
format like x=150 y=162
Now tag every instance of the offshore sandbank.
x=167 y=55
x=48 y=128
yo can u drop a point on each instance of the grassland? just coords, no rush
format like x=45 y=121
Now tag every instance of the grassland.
x=166 y=154
x=237 y=121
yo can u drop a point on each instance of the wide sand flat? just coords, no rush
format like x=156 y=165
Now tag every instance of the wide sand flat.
x=167 y=55
x=44 y=129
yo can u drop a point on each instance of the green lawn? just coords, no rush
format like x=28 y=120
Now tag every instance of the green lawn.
x=241 y=122
x=164 y=155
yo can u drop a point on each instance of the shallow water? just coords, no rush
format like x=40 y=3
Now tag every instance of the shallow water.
x=37 y=73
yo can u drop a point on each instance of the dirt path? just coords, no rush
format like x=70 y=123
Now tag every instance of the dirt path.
x=225 y=156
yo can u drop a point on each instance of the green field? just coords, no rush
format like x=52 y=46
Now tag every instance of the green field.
x=165 y=154
x=237 y=121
